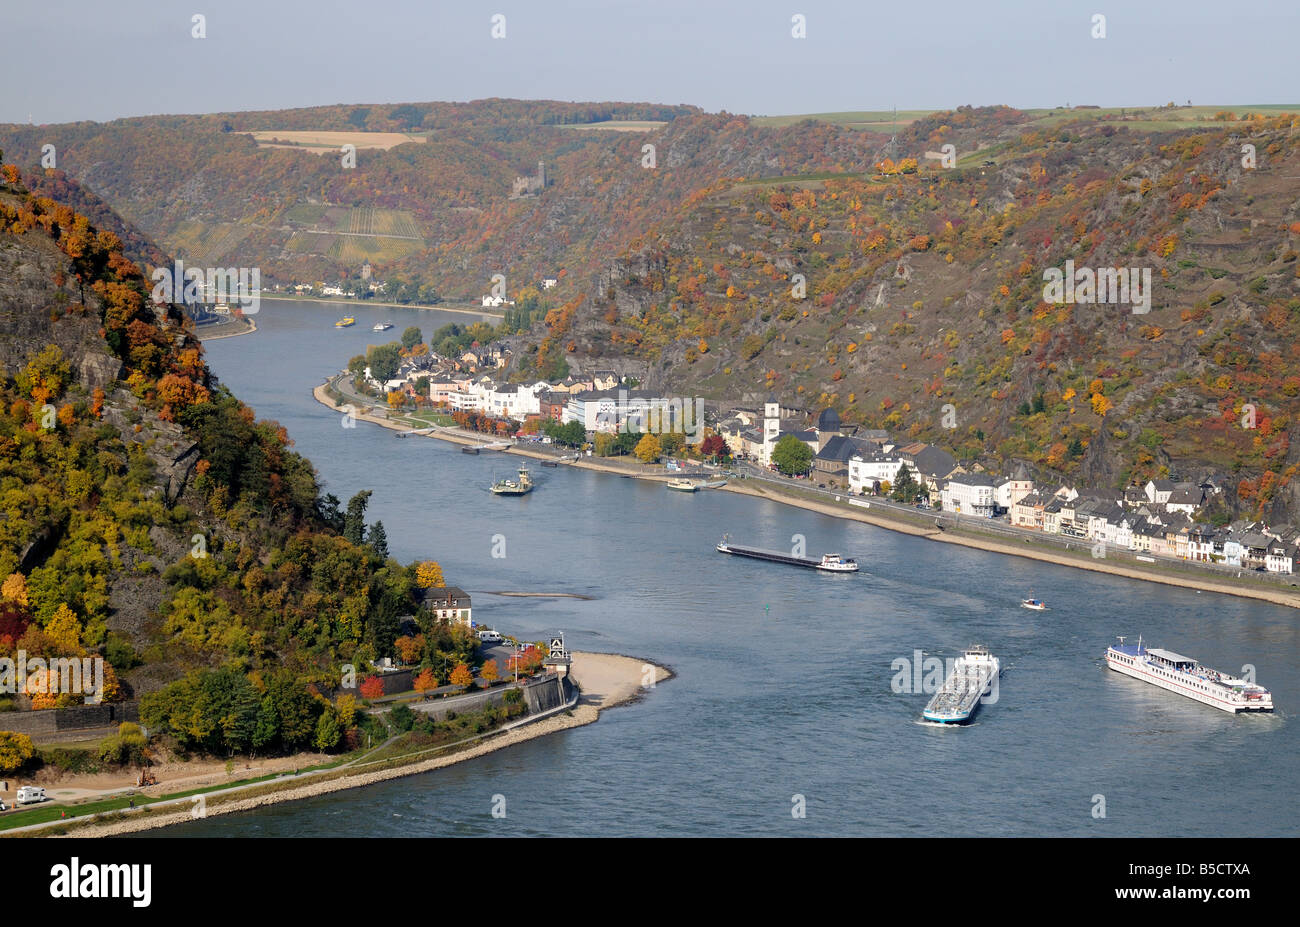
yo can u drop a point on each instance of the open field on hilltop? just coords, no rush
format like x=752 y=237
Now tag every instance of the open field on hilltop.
x=318 y=142
x=618 y=125
x=1156 y=118
x=878 y=120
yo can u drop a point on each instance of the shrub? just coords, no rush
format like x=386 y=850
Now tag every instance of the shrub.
x=402 y=718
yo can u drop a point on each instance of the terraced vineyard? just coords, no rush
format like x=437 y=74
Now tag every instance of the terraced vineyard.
x=207 y=244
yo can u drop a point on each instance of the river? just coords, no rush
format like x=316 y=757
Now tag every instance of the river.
x=783 y=696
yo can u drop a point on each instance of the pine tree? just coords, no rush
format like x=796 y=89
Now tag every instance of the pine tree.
x=379 y=540
x=354 y=523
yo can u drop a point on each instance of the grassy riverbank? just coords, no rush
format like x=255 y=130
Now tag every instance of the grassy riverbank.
x=606 y=681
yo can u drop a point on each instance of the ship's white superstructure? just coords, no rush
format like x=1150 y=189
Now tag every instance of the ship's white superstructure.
x=1187 y=677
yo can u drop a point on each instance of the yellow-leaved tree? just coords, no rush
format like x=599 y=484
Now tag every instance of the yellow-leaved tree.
x=14 y=589
x=64 y=631
x=461 y=676
x=428 y=575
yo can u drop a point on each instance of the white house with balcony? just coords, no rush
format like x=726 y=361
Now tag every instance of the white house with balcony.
x=969 y=494
x=865 y=470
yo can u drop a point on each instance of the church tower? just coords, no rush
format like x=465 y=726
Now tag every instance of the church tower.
x=771 y=427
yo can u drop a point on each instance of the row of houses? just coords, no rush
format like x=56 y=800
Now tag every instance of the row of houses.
x=1157 y=520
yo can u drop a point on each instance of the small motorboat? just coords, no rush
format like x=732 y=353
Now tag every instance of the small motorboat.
x=1037 y=605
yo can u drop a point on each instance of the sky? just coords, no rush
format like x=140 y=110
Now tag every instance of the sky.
x=69 y=60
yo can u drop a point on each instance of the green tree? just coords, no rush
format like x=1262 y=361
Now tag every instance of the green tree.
x=328 y=733
x=383 y=360
x=905 y=487
x=379 y=540
x=411 y=337
x=267 y=730
x=354 y=523
x=606 y=444
x=792 y=456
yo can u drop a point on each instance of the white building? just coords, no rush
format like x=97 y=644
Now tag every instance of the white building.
x=969 y=494
x=864 y=470
x=771 y=429
x=1280 y=557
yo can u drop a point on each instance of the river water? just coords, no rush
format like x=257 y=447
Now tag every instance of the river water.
x=783 y=685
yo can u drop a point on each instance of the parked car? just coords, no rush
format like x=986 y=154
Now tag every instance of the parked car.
x=489 y=636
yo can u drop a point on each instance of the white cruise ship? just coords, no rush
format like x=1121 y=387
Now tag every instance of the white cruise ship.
x=1187 y=677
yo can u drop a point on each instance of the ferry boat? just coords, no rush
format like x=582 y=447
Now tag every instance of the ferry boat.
x=959 y=696
x=382 y=326
x=682 y=485
x=345 y=322
x=520 y=487
x=1187 y=677
x=829 y=563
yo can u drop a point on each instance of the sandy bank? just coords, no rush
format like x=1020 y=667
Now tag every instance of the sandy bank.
x=221 y=330
x=606 y=680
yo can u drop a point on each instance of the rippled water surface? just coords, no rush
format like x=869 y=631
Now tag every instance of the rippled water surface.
x=783 y=675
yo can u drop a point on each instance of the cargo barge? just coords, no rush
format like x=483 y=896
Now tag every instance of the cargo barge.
x=829 y=563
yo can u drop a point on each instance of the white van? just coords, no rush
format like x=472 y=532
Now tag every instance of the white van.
x=30 y=795
x=491 y=637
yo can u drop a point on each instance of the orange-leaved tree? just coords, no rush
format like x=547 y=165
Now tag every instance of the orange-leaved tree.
x=426 y=681
x=490 y=671
x=461 y=676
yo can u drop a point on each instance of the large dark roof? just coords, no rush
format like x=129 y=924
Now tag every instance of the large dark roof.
x=842 y=448
x=829 y=420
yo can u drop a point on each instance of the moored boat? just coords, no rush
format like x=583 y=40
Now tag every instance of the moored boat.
x=1188 y=678
x=682 y=485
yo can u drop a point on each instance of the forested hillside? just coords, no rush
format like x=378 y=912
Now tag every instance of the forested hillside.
x=146 y=515
x=725 y=256
x=924 y=288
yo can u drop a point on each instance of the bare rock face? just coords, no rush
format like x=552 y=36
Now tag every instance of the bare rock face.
x=34 y=312
x=173 y=454
x=99 y=370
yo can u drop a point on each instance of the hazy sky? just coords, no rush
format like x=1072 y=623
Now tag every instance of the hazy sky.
x=65 y=60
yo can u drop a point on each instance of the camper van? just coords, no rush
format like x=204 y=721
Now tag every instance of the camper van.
x=30 y=795
x=489 y=636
